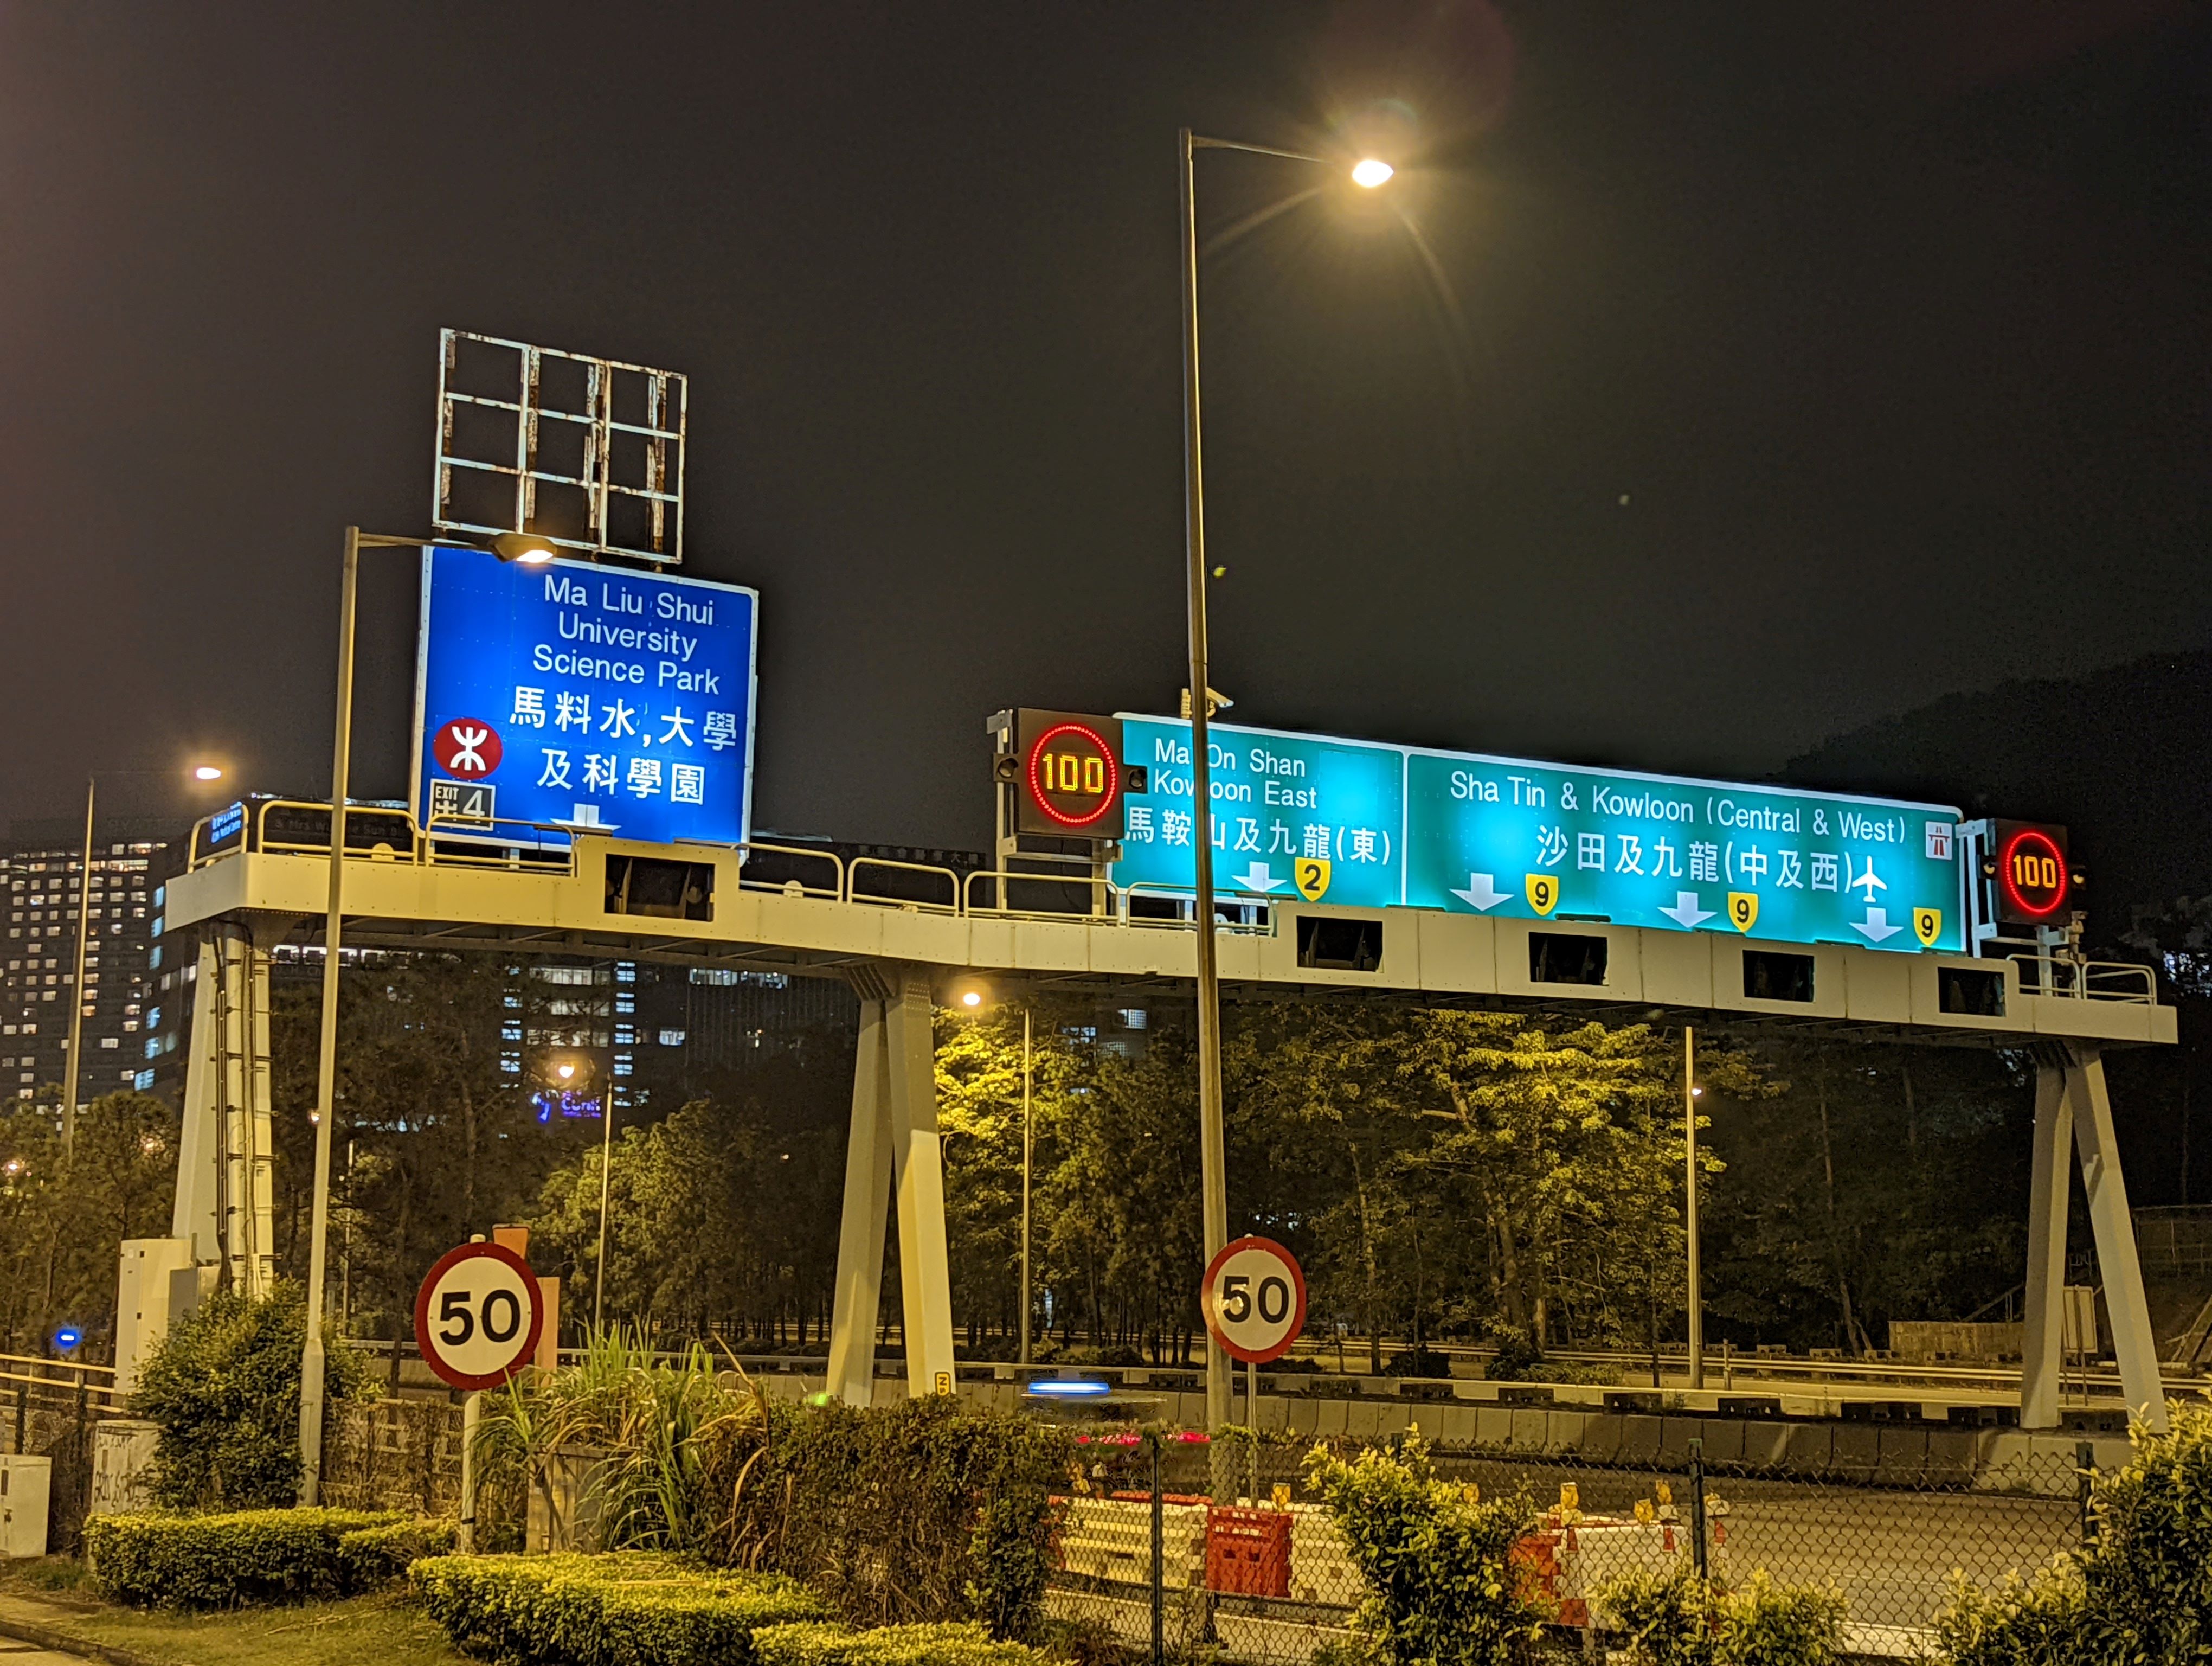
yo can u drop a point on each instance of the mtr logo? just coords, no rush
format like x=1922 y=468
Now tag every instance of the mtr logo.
x=467 y=748
x=2034 y=880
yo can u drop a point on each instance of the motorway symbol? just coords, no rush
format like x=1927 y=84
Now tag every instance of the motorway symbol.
x=1254 y=1299
x=1743 y=909
x=1927 y=926
x=1688 y=912
x=1543 y=891
x=478 y=1315
x=1481 y=892
x=1313 y=878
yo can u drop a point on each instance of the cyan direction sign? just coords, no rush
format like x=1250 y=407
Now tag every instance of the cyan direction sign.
x=1293 y=814
x=1501 y=836
x=1371 y=825
x=573 y=695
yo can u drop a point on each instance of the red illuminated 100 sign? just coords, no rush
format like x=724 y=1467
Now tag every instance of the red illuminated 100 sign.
x=2032 y=870
x=1072 y=776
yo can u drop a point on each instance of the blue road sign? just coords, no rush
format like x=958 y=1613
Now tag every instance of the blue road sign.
x=1500 y=836
x=1368 y=824
x=573 y=695
x=1293 y=814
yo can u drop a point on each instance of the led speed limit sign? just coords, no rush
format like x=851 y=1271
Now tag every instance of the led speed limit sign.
x=1255 y=1300
x=477 y=1317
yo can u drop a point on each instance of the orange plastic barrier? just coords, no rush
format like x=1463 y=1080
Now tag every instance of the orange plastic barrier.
x=1248 y=1551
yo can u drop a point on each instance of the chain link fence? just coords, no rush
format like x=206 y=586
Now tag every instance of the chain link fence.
x=1268 y=1580
x=394 y=1453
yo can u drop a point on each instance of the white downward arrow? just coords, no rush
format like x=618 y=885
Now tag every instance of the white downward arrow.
x=1686 y=911
x=1481 y=892
x=1876 y=925
x=1256 y=878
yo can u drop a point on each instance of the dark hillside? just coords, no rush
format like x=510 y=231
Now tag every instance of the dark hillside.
x=2122 y=757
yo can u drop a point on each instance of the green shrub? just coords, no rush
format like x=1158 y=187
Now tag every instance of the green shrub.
x=917 y=1512
x=914 y=1512
x=249 y=1557
x=628 y=1608
x=224 y=1386
x=950 y=1644
x=1436 y=1558
x=2043 y=1621
x=376 y=1556
x=2139 y=1588
x=1676 y=1619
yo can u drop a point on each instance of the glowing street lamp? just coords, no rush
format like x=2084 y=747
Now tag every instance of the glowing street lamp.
x=1371 y=172
x=526 y=548
x=70 y=1071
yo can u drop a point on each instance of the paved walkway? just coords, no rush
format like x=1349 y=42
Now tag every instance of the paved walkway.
x=28 y=1635
x=15 y=1653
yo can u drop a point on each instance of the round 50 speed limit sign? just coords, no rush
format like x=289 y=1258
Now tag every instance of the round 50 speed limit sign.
x=1255 y=1300
x=478 y=1315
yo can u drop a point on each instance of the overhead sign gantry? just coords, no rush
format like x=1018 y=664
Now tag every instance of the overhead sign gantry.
x=570 y=797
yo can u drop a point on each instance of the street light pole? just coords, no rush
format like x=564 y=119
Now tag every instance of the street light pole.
x=1212 y=1155
x=72 y=1072
x=72 y=1065
x=1027 y=1147
x=1212 y=1159
x=1690 y=1132
x=326 y=1059
x=607 y=1158
x=507 y=546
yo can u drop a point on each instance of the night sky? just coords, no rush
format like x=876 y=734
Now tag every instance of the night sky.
x=1714 y=378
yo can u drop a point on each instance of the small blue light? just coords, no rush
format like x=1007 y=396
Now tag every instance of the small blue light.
x=68 y=1337
x=1067 y=1388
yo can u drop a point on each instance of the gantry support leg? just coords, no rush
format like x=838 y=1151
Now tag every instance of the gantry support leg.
x=225 y=1204
x=2125 y=1303
x=2041 y=1359
x=2073 y=1107
x=894 y=1141
x=868 y=1169
x=925 y=1271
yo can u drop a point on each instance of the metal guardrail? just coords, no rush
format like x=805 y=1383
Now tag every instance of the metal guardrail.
x=24 y=1377
x=2085 y=980
x=378 y=833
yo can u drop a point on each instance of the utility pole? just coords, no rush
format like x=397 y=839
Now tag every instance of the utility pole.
x=1690 y=1142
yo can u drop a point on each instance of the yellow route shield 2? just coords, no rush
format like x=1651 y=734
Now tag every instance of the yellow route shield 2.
x=1312 y=873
